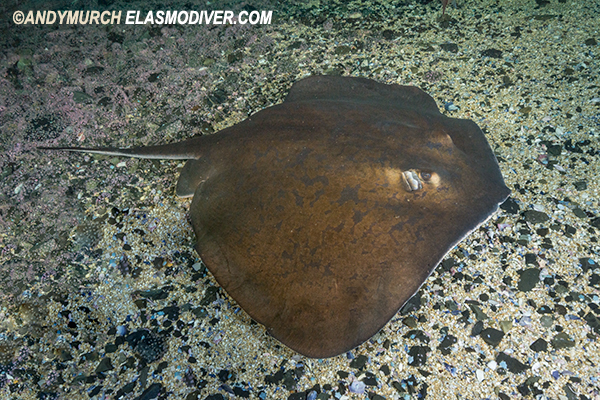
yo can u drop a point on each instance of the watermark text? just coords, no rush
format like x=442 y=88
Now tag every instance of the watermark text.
x=133 y=17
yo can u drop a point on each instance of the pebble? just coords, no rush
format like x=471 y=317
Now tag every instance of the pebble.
x=561 y=341
x=450 y=106
x=535 y=217
x=505 y=325
x=539 y=345
x=492 y=336
x=479 y=314
x=104 y=365
x=151 y=392
x=480 y=375
x=357 y=387
x=529 y=278
x=512 y=364
x=546 y=321
x=418 y=355
x=359 y=362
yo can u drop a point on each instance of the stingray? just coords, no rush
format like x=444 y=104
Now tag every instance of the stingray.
x=323 y=215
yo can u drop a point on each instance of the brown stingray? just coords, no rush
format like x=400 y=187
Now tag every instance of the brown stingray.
x=323 y=215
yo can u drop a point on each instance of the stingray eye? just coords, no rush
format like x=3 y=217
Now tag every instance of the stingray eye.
x=425 y=175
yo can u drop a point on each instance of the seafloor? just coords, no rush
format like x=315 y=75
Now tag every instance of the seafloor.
x=102 y=295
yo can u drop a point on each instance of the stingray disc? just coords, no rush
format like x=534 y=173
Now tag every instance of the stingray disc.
x=323 y=215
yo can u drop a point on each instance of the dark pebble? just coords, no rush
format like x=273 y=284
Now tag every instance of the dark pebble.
x=595 y=280
x=539 y=345
x=104 y=365
x=419 y=355
x=535 y=217
x=512 y=364
x=492 y=336
x=151 y=392
x=153 y=294
x=411 y=322
x=110 y=348
x=554 y=150
x=413 y=304
x=375 y=396
x=531 y=259
x=385 y=369
x=510 y=205
x=342 y=374
x=417 y=334
x=288 y=380
x=141 y=303
x=398 y=386
x=359 y=362
x=479 y=314
x=210 y=295
x=224 y=375
x=239 y=392
x=542 y=232
x=449 y=47
x=593 y=322
x=125 y=389
x=95 y=391
x=580 y=185
x=587 y=264
x=523 y=389
x=369 y=379
x=172 y=312
x=560 y=309
x=82 y=98
x=195 y=395
x=529 y=278
x=341 y=50
x=544 y=310
x=477 y=328
x=161 y=367
x=571 y=395
x=493 y=53
x=200 y=312
x=446 y=344
x=561 y=341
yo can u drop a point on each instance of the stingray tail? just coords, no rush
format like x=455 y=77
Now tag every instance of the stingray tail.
x=185 y=150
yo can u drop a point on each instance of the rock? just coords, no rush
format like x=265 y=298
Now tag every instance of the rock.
x=535 y=217
x=539 y=345
x=492 y=336
x=359 y=362
x=529 y=278
x=561 y=341
x=104 y=365
x=418 y=355
x=512 y=364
